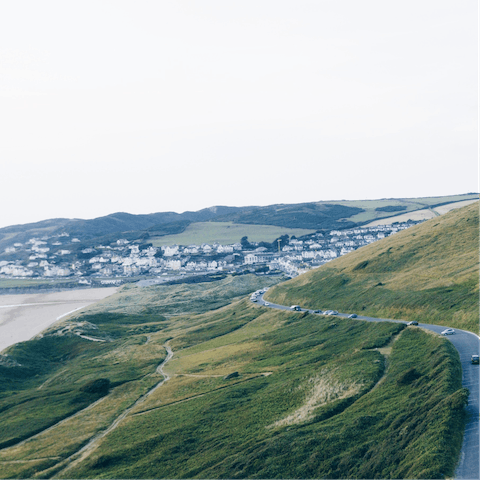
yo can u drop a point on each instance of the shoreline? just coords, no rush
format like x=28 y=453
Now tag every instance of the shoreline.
x=25 y=315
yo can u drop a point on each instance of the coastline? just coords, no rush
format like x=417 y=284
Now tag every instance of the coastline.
x=23 y=316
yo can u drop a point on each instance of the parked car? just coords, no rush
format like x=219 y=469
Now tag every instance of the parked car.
x=266 y=304
x=353 y=315
x=448 y=331
x=295 y=307
x=475 y=359
x=413 y=322
x=317 y=311
x=334 y=312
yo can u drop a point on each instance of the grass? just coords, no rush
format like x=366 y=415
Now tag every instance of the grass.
x=356 y=415
x=178 y=299
x=26 y=283
x=412 y=204
x=427 y=273
x=314 y=397
x=424 y=214
x=226 y=233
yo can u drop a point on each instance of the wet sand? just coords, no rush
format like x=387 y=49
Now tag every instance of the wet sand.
x=26 y=315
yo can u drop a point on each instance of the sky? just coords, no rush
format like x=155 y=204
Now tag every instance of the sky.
x=174 y=105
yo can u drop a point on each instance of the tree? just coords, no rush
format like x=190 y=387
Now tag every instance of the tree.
x=246 y=245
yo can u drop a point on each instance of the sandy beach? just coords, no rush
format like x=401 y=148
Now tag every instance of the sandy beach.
x=24 y=316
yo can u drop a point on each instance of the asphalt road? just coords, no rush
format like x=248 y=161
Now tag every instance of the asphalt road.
x=467 y=344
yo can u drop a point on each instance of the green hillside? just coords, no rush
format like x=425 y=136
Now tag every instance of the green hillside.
x=322 y=215
x=428 y=273
x=252 y=393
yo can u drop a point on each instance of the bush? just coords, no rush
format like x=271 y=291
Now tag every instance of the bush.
x=98 y=386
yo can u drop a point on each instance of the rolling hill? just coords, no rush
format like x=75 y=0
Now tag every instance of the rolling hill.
x=252 y=392
x=321 y=216
x=427 y=273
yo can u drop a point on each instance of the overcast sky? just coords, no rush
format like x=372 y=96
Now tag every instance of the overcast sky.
x=149 y=106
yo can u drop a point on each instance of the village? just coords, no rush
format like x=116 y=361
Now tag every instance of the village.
x=63 y=257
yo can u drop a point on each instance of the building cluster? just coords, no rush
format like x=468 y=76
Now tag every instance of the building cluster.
x=62 y=256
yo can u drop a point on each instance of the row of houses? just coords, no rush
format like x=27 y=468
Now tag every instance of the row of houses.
x=50 y=257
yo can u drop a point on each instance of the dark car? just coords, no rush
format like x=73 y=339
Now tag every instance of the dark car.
x=475 y=359
x=317 y=311
x=352 y=315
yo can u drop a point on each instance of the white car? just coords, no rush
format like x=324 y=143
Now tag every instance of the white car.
x=266 y=304
x=448 y=331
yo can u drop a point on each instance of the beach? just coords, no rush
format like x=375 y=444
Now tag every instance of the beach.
x=25 y=315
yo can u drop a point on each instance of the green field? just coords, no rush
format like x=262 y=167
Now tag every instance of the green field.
x=412 y=204
x=226 y=233
x=19 y=283
x=314 y=397
x=427 y=273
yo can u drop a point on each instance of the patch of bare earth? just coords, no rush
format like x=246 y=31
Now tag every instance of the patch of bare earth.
x=325 y=389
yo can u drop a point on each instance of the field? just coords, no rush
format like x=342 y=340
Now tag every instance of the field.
x=226 y=233
x=425 y=214
x=427 y=273
x=412 y=206
x=6 y=283
x=251 y=392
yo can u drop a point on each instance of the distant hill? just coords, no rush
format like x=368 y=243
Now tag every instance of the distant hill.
x=317 y=216
x=428 y=273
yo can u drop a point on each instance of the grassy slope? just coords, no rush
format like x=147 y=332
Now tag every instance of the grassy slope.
x=408 y=426
x=427 y=273
x=355 y=408
x=228 y=232
x=412 y=204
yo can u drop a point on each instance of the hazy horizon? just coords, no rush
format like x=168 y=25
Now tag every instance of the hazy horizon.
x=233 y=206
x=177 y=105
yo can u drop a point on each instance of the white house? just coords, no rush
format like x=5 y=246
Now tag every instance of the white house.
x=250 y=258
x=170 y=250
x=173 y=264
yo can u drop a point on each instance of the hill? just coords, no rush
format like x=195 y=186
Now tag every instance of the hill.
x=322 y=216
x=427 y=273
x=251 y=393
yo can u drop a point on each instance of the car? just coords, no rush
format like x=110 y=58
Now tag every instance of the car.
x=266 y=304
x=475 y=359
x=295 y=307
x=413 y=322
x=334 y=312
x=327 y=312
x=317 y=311
x=352 y=315
x=448 y=331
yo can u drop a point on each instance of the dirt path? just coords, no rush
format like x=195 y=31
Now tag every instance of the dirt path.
x=91 y=446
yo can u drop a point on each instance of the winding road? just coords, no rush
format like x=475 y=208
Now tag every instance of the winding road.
x=467 y=344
